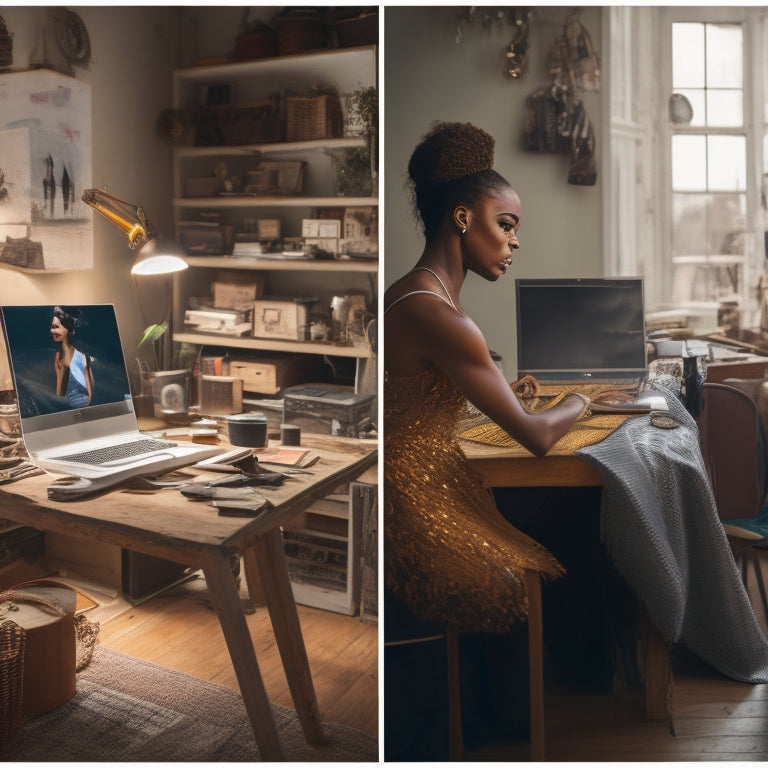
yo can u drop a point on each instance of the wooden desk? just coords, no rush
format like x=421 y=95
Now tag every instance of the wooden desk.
x=166 y=524
x=514 y=467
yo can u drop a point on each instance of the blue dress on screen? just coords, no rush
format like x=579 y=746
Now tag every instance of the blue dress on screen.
x=77 y=388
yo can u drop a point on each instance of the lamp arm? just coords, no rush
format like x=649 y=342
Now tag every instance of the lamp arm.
x=130 y=218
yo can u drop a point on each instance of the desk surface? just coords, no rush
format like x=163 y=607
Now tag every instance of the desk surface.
x=511 y=465
x=165 y=523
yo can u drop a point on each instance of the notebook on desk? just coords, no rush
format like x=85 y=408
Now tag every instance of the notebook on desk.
x=82 y=423
x=586 y=334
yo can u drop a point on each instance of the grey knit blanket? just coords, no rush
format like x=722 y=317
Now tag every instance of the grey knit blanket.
x=661 y=529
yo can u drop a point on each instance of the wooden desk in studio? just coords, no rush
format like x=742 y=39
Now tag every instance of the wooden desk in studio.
x=166 y=524
x=514 y=467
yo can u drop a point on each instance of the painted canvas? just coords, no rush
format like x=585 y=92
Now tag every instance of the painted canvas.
x=45 y=164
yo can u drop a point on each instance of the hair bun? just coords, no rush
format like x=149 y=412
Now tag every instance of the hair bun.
x=450 y=151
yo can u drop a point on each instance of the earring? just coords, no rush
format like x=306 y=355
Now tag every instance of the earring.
x=464 y=231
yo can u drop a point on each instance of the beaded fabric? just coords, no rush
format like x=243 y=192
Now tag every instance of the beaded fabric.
x=597 y=428
x=448 y=553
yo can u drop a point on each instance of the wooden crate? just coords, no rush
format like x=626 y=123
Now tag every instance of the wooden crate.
x=268 y=376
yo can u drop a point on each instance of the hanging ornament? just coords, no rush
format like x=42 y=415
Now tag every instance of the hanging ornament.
x=517 y=55
x=6 y=46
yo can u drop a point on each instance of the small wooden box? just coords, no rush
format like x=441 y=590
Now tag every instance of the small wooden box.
x=279 y=319
x=269 y=376
x=221 y=395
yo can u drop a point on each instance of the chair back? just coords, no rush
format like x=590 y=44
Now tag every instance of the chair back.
x=733 y=447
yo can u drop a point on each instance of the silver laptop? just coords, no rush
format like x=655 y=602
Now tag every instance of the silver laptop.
x=78 y=419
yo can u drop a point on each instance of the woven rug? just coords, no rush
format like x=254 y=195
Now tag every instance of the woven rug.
x=126 y=709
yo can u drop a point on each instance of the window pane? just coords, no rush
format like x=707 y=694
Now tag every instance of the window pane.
x=687 y=56
x=689 y=224
x=689 y=163
x=724 y=56
x=726 y=163
x=697 y=101
x=709 y=244
x=705 y=282
x=724 y=109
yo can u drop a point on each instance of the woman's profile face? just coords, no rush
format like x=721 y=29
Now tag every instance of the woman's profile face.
x=58 y=331
x=491 y=237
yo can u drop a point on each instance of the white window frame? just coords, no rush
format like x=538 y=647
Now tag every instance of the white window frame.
x=637 y=230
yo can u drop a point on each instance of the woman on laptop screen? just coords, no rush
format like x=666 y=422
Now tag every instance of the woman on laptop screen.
x=74 y=379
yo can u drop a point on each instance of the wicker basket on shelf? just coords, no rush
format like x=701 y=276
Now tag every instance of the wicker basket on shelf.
x=313 y=117
x=299 y=31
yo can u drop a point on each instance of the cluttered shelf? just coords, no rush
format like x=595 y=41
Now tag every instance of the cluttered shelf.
x=344 y=142
x=284 y=264
x=271 y=201
x=273 y=345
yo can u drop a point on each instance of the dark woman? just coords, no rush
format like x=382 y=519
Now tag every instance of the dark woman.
x=449 y=555
x=73 y=370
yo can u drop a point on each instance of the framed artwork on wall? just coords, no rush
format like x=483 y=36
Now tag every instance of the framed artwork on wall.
x=45 y=164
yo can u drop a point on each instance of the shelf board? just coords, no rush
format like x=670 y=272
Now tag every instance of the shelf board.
x=272 y=201
x=283 y=265
x=272 y=345
x=292 y=147
x=346 y=67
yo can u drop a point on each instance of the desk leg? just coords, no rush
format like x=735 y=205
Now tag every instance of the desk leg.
x=536 y=665
x=270 y=558
x=658 y=674
x=252 y=578
x=226 y=601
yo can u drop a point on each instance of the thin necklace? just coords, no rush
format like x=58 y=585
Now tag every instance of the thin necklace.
x=447 y=293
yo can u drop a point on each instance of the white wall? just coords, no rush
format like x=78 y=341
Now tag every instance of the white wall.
x=428 y=77
x=133 y=51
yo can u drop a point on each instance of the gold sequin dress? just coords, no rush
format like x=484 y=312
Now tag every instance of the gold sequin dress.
x=448 y=553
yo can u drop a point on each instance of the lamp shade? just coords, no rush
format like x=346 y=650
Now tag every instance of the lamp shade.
x=158 y=256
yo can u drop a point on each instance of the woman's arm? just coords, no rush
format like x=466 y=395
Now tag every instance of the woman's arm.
x=58 y=367
x=88 y=377
x=432 y=331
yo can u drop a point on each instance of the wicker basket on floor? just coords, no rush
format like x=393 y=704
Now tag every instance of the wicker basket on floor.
x=12 y=641
x=313 y=117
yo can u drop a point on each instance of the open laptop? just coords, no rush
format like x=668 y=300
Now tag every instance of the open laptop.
x=586 y=332
x=94 y=437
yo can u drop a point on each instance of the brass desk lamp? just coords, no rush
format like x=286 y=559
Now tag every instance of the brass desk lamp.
x=154 y=256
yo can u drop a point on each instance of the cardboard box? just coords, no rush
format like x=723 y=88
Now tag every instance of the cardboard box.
x=268 y=376
x=232 y=295
x=279 y=319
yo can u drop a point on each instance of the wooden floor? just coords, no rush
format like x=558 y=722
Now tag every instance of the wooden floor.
x=712 y=718
x=179 y=629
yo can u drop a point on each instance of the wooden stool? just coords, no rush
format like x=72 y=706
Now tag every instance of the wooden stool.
x=536 y=671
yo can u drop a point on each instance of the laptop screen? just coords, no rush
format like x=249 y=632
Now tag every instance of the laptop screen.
x=581 y=329
x=67 y=364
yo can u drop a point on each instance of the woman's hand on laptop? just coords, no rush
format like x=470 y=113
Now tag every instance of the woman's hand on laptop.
x=613 y=397
x=525 y=388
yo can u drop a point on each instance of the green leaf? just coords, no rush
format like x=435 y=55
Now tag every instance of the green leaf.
x=153 y=333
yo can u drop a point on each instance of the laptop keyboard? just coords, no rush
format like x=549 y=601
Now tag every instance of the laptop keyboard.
x=117 y=452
